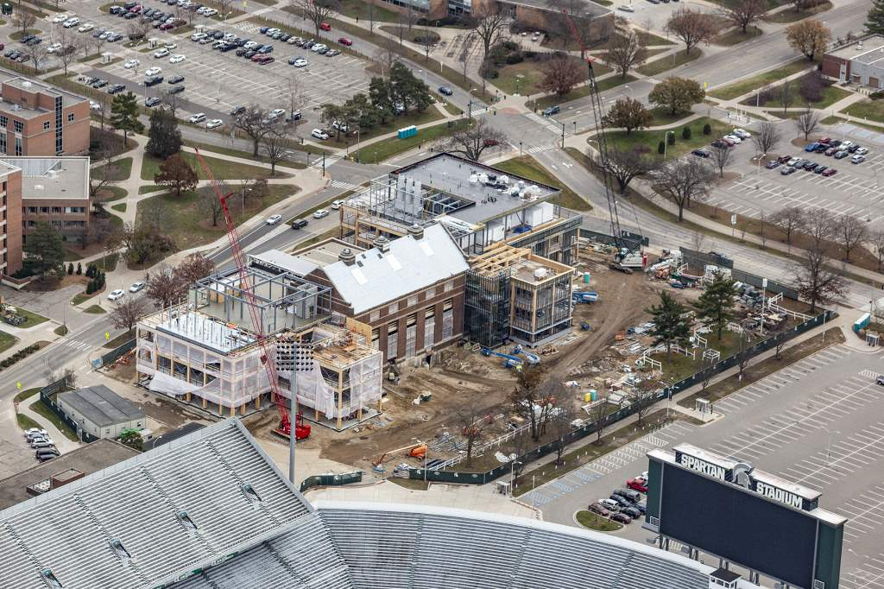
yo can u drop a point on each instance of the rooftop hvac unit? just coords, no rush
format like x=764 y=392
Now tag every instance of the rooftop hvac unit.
x=540 y=273
x=473 y=178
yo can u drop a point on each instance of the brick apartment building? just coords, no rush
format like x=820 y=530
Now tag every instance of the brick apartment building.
x=54 y=190
x=10 y=222
x=38 y=120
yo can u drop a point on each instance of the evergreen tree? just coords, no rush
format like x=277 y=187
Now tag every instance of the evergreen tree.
x=669 y=325
x=45 y=250
x=164 y=134
x=70 y=269
x=875 y=22
x=79 y=269
x=124 y=115
x=716 y=304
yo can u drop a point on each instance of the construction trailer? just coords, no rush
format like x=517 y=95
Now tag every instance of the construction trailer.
x=477 y=204
x=513 y=294
x=204 y=350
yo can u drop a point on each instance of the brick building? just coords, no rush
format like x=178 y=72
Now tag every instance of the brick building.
x=860 y=62
x=409 y=291
x=55 y=190
x=39 y=120
x=10 y=224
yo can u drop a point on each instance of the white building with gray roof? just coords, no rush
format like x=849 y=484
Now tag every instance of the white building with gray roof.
x=101 y=412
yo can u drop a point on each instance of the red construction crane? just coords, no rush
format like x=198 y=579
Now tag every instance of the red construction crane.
x=302 y=430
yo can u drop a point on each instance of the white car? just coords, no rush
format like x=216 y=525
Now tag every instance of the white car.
x=154 y=71
x=336 y=204
x=317 y=47
x=862 y=151
x=94 y=105
x=276 y=113
x=845 y=144
x=71 y=23
x=177 y=58
x=116 y=294
x=214 y=124
x=170 y=45
x=734 y=138
x=161 y=53
x=136 y=286
x=209 y=12
x=251 y=44
x=42 y=443
x=35 y=430
x=86 y=28
x=131 y=64
x=624 y=8
x=60 y=18
x=300 y=62
x=857 y=159
x=273 y=219
x=54 y=48
x=199 y=37
x=197 y=118
x=319 y=214
x=319 y=134
x=742 y=133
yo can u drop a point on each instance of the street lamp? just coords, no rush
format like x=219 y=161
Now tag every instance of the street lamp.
x=758 y=169
x=520 y=149
x=829 y=445
x=518 y=81
x=666 y=142
x=512 y=474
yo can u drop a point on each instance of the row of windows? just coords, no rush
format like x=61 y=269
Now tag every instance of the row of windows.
x=58 y=224
x=411 y=301
x=20 y=127
x=57 y=210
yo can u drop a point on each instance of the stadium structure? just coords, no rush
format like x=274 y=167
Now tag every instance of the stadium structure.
x=210 y=510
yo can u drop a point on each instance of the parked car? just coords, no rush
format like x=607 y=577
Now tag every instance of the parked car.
x=154 y=71
x=879 y=380
x=197 y=118
x=720 y=143
x=638 y=484
x=319 y=134
x=808 y=166
x=299 y=223
x=175 y=80
x=161 y=53
x=116 y=294
x=621 y=518
x=237 y=110
x=153 y=81
x=811 y=147
x=622 y=501
x=728 y=140
x=132 y=63
x=116 y=89
x=787 y=171
x=345 y=41
x=783 y=159
x=841 y=154
x=829 y=172
x=35 y=430
x=772 y=165
x=609 y=504
x=701 y=153
x=44 y=443
x=860 y=151
x=742 y=133
x=857 y=159
x=599 y=509
x=177 y=58
x=733 y=138
x=630 y=495
x=820 y=169
x=136 y=286
x=214 y=123
x=632 y=512
x=831 y=151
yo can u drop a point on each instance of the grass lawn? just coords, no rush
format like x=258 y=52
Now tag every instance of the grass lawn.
x=188 y=224
x=295 y=145
x=60 y=330
x=31 y=319
x=94 y=310
x=580 y=92
x=790 y=16
x=82 y=297
x=872 y=110
x=107 y=263
x=151 y=188
x=594 y=521
x=42 y=410
x=667 y=63
x=26 y=423
x=417 y=34
x=6 y=341
x=648 y=140
x=71 y=256
x=19 y=34
x=678 y=367
x=120 y=207
x=387 y=148
x=221 y=169
x=745 y=86
x=394 y=124
x=109 y=193
x=359 y=9
x=662 y=116
x=532 y=72
x=830 y=95
x=121 y=169
x=120 y=340
x=651 y=39
x=26 y=394
x=736 y=36
x=527 y=167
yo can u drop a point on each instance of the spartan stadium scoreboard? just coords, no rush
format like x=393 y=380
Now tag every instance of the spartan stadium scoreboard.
x=759 y=521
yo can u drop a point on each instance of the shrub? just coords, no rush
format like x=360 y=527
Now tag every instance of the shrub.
x=670 y=138
x=686 y=133
x=707 y=129
x=516 y=57
x=79 y=269
x=70 y=269
x=877 y=95
x=661 y=148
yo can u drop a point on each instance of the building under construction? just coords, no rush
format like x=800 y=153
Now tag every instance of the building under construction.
x=513 y=294
x=477 y=204
x=203 y=350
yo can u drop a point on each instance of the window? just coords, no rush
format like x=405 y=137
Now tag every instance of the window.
x=375 y=338
x=56 y=209
x=71 y=117
x=375 y=315
x=449 y=286
x=18 y=148
x=447 y=319
x=32 y=209
x=4 y=121
x=393 y=308
x=429 y=328
x=44 y=210
x=19 y=126
x=392 y=339
x=412 y=300
x=410 y=335
x=46 y=126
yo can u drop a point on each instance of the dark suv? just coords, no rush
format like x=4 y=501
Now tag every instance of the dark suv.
x=299 y=223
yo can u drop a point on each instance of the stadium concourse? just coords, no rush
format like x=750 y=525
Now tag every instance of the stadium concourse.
x=210 y=510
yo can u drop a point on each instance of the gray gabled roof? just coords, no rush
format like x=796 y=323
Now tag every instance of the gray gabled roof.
x=102 y=406
x=139 y=502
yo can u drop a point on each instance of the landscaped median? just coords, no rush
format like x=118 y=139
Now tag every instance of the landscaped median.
x=647 y=142
x=579 y=92
x=387 y=148
x=737 y=89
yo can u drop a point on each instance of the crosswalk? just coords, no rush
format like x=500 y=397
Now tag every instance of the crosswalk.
x=78 y=345
x=545 y=123
x=329 y=162
x=344 y=185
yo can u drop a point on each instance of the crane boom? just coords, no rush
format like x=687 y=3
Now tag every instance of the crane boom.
x=285 y=425
x=598 y=113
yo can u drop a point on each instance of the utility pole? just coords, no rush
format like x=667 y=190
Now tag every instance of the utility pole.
x=563 y=134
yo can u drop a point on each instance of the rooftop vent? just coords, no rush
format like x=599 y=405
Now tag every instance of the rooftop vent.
x=382 y=243
x=347 y=256
x=186 y=521
x=119 y=549
x=50 y=579
x=250 y=493
x=416 y=231
x=25 y=84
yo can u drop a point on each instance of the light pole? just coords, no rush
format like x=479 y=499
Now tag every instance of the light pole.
x=575 y=127
x=518 y=82
x=520 y=149
x=758 y=169
x=513 y=474
x=666 y=142
x=563 y=134
x=829 y=445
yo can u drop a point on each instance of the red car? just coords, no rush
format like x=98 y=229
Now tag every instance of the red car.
x=637 y=484
x=829 y=172
x=621 y=518
x=825 y=140
x=784 y=158
x=599 y=509
x=345 y=41
x=325 y=26
x=167 y=26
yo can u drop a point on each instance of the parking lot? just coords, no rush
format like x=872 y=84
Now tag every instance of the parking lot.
x=216 y=82
x=854 y=190
x=817 y=422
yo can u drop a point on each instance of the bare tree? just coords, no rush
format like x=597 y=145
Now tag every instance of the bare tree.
x=691 y=27
x=23 y=20
x=684 y=181
x=766 y=137
x=816 y=282
x=471 y=142
x=275 y=143
x=625 y=165
x=210 y=206
x=36 y=55
x=223 y=7
x=721 y=157
x=104 y=174
x=807 y=122
x=253 y=123
x=742 y=13
x=876 y=240
x=295 y=96
x=785 y=95
x=385 y=55
x=471 y=419
x=172 y=102
x=598 y=417
x=626 y=52
x=426 y=41
x=789 y=220
x=127 y=312
x=560 y=426
x=68 y=51
x=316 y=11
x=194 y=267
x=492 y=25
x=850 y=233
x=526 y=395
x=820 y=228
x=642 y=397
